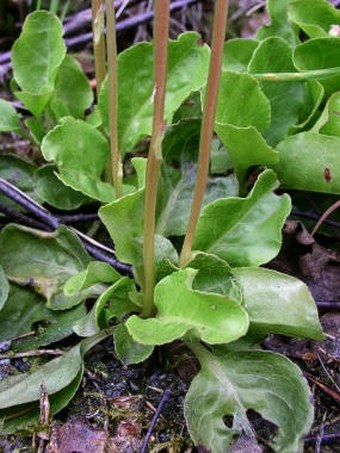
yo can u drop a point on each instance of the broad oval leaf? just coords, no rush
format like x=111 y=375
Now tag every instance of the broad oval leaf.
x=329 y=121
x=81 y=153
x=51 y=190
x=310 y=161
x=43 y=261
x=24 y=310
x=36 y=56
x=230 y=384
x=124 y=220
x=128 y=351
x=187 y=70
x=72 y=94
x=245 y=231
x=279 y=23
x=9 y=119
x=314 y=18
x=246 y=147
x=237 y=54
x=241 y=102
x=278 y=303
x=181 y=310
x=287 y=99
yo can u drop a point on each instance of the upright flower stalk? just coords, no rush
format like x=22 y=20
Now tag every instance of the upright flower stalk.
x=209 y=111
x=116 y=166
x=98 y=42
x=161 y=32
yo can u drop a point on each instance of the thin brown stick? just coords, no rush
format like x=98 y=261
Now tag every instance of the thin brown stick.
x=324 y=216
x=209 y=111
x=115 y=164
x=98 y=42
x=161 y=33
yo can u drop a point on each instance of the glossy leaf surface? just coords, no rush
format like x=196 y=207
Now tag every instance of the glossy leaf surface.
x=187 y=70
x=245 y=231
x=36 y=56
x=278 y=303
x=80 y=153
x=72 y=94
x=310 y=161
x=182 y=310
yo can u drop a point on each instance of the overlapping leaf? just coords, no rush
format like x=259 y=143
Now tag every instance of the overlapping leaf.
x=72 y=94
x=230 y=384
x=314 y=18
x=81 y=153
x=181 y=310
x=278 y=303
x=317 y=155
x=245 y=231
x=36 y=56
x=9 y=119
x=280 y=24
x=43 y=261
x=187 y=70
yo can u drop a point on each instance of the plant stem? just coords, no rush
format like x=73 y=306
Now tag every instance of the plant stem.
x=116 y=167
x=317 y=74
x=209 y=111
x=161 y=32
x=98 y=42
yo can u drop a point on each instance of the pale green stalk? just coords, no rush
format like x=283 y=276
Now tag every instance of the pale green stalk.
x=161 y=32
x=115 y=164
x=209 y=111
x=318 y=74
x=98 y=42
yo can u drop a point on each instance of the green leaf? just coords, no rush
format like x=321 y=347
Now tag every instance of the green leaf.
x=241 y=102
x=96 y=272
x=24 y=310
x=72 y=94
x=214 y=276
x=246 y=147
x=230 y=384
x=124 y=220
x=187 y=71
x=97 y=317
x=181 y=141
x=43 y=261
x=4 y=288
x=25 y=418
x=51 y=190
x=329 y=121
x=61 y=376
x=128 y=351
x=310 y=162
x=81 y=153
x=278 y=303
x=176 y=194
x=320 y=53
x=245 y=231
x=56 y=374
x=279 y=23
x=315 y=17
x=18 y=172
x=287 y=99
x=237 y=54
x=181 y=310
x=9 y=119
x=36 y=56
